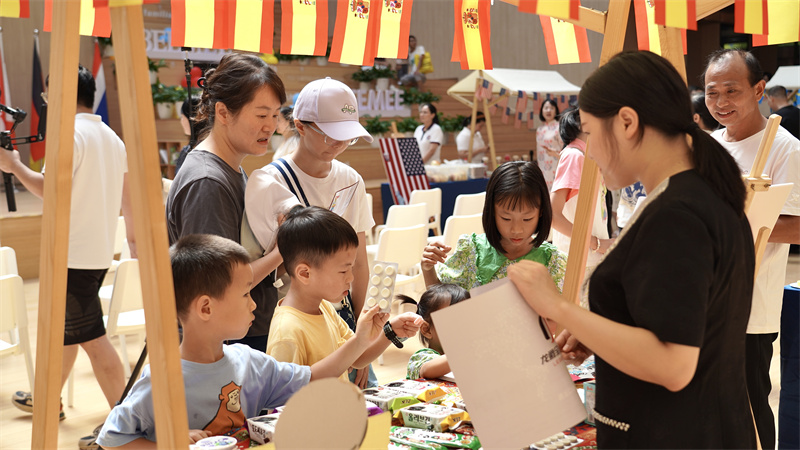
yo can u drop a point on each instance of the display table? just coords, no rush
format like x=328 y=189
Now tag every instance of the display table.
x=789 y=407
x=450 y=190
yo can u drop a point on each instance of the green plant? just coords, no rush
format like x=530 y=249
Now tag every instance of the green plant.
x=413 y=96
x=409 y=124
x=383 y=72
x=450 y=124
x=282 y=57
x=374 y=125
x=363 y=76
x=167 y=94
x=155 y=65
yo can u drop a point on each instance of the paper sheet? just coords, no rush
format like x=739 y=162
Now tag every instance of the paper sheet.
x=766 y=206
x=513 y=379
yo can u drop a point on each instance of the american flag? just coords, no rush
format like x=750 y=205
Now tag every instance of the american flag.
x=485 y=90
x=404 y=168
x=531 y=123
x=506 y=113
x=538 y=99
x=503 y=103
x=522 y=105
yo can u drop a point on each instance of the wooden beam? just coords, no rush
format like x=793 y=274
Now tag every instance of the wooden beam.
x=707 y=7
x=588 y=18
x=672 y=48
x=613 y=42
x=474 y=119
x=63 y=92
x=144 y=176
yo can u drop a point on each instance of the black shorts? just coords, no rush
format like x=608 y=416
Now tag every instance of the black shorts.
x=84 y=315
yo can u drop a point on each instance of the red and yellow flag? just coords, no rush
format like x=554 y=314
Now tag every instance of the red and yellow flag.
x=676 y=13
x=222 y=24
x=565 y=43
x=298 y=19
x=355 y=36
x=20 y=9
x=115 y=3
x=472 y=34
x=647 y=29
x=553 y=8
x=95 y=21
x=784 y=23
x=750 y=17
x=394 y=29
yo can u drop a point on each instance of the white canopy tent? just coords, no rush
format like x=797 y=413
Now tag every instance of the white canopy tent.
x=786 y=76
x=530 y=81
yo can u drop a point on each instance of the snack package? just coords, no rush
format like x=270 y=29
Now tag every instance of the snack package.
x=262 y=427
x=372 y=409
x=389 y=399
x=452 y=398
x=381 y=285
x=432 y=417
x=425 y=392
x=432 y=437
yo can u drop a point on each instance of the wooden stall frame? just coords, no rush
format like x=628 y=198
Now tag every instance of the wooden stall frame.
x=756 y=182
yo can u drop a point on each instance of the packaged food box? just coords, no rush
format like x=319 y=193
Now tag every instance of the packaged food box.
x=389 y=399
x=588 y=400
x=424 y=392
x=262 y=427
x=432 y=417
x=432 y=438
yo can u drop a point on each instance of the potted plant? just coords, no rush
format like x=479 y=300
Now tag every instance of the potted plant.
x=164 y=99
x=382 y=75
x=178 y=97
x=363 y=77
x=283 y=59
x=376 y=127
x=451 y=124
x=413 y=96
x=407 y=126
x=154 y=66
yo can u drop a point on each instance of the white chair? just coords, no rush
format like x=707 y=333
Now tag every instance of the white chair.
x=401 y=216
x=120 y=244
x=469 y=204
x=369 y=236
x=456 y=226
x=14 y=320
x=433 y=200
x=8 y=261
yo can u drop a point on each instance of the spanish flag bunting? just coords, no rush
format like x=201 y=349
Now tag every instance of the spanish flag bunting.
x=94 y=21
x=201 y=23
x=20 y=9
x=750 y=17
x=472 y=36
x=646 y=28
x=784 y=23
x=552 y=8
x=565 y=43
x=253 y=25
x=522 y=105
x=355 y=36
x=394 y=29
x=298 y=19
x=116 y=3
x=676 y=13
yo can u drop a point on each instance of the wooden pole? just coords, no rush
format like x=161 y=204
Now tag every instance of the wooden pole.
x=490 y=132
x=755 y=180
x=63 y=92
x=474 y=119
x=144 y=176
x=672 y=48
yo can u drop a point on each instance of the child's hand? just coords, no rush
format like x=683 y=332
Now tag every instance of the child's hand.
x=196 y=435
x=432 y=254
x=406 y=325
x=370 y=324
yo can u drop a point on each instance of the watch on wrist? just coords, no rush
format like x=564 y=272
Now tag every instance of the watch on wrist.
x=391 y=335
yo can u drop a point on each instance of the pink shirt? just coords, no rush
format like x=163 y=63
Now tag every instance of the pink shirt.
x=570 y=166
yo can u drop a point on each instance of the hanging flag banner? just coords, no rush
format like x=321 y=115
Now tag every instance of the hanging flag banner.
x=100 y=106
x=522 y=105
x=20 y=9
x=355 y=35
x=531 y=123
x=253 y=25
x=472 y=35
x=506 y=114
x=298 y=20
x=118 y=3
x=502 y=104
x=94 y=21
x=200 y=24
x=676 y=13
x=394 y=30
x=750 y=17
x=6 y=121
x=784 y=23
x=552 y=8
x=647 y=29
x=565 y=43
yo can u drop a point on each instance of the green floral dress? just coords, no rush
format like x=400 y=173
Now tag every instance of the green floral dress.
x=475 y=262
x=417 y=360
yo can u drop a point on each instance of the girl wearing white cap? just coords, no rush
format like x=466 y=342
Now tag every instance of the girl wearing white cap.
x=326 y=117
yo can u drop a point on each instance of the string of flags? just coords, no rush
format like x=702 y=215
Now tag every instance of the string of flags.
x=368 y=29
x=485 y=89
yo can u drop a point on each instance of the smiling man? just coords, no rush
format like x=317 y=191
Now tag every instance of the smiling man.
x=734 y=85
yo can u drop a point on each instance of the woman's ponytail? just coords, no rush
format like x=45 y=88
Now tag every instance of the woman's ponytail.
x=718 y=168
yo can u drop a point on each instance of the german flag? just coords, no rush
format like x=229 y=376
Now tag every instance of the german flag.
x=355 y=36
x=784 y=23
x=472 y=34
x=565 y=43
x=676 y=13
x=394 y=29
x=552 y=8
x=750 y=17
x=298 y=19
x=95 y=21
x=20 y=9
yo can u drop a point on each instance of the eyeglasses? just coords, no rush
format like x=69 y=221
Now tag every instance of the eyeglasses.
x=331 y=141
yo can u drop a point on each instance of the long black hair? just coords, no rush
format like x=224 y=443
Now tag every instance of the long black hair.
x=652 y=87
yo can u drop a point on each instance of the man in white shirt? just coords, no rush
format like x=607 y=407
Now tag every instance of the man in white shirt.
x=99 y=174
x=415 y=54
x=479 y=148
x=734 y=85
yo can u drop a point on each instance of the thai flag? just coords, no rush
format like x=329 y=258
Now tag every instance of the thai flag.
x=100 y=106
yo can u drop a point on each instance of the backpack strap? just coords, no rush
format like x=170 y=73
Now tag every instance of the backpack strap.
x=292 y=183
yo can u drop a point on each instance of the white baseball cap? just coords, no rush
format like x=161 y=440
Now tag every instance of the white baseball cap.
x=333 y=107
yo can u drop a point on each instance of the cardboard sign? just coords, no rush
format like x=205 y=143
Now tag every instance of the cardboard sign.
x=511 y=374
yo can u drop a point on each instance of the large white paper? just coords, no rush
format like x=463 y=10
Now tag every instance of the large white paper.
x=766 y=207
x=512 y=377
